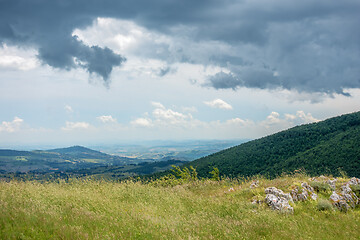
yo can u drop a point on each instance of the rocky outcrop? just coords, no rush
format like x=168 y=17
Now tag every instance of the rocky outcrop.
x=278 y=193
x=322 y=179
x=277 y=200
x=342 y=198
x=346 y=198
x=354 y=181
x=339 y=202
x=304 y=193
x=331 y=183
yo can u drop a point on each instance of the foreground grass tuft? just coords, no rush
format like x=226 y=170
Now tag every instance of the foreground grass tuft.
x=97 y=209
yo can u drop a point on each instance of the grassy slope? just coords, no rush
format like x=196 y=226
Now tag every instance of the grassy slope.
x=318 y=148
x=89 y=209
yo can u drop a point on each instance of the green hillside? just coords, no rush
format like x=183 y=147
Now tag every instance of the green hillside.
x=61 y=159
x=318 y=148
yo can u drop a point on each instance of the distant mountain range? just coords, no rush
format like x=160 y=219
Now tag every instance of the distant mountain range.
x=187 y=150
x=61 y=159
x=81 y=161
x=326 y=147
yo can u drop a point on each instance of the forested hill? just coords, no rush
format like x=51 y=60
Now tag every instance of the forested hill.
x=318 y=148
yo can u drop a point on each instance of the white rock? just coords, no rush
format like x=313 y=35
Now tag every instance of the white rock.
x=278 y=203
x=314 y=196
x=305 y=192
x=254 y=184
x=354 y=181
x=339 y=202
x=278 y=193
x=331 y=182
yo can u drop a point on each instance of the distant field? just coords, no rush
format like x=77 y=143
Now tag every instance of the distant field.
x=96 y=209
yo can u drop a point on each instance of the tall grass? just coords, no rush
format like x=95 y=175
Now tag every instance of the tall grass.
x=98 y=209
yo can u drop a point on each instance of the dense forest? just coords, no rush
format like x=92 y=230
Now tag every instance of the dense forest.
x=327 y=147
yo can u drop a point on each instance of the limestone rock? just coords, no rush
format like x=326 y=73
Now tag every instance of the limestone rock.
x=278 y=200
x=314 y=196
x=256 y=201
x=339 y=202
x=306 y=191
x=345 y=199
x=354 y=181
x=278 y=193
x=254 y=184
x=331 y=182
x=278 y=203
x=349 y=196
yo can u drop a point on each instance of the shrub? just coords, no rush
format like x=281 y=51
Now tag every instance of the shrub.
x=320 y=186
x=185 y=174
x=215 y=174
x=324 y=205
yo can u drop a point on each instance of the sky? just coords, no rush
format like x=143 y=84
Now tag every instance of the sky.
x=110 y=71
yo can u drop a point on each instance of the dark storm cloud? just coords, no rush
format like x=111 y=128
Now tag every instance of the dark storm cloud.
x=310 y=45
x=223 y=80
x=248 y=78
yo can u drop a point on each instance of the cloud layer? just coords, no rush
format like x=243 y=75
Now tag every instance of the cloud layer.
x=12 y=126
x=308 y=46
x=218 y=103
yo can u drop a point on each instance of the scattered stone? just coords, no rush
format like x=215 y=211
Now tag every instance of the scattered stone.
x=304 y=194
x=339 y=202
x=254 y=184
x=354 y=181
x=314 y=196
x=278 y=193
x=343 y=199
x=331 y=182
x=278 y=203
x=257 y=201
x=310 y=190
x=297 y=196
x=349 y=196
x=278 y=200
x=346 y=198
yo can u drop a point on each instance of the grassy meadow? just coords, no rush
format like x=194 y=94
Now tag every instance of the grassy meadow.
x=199 y=209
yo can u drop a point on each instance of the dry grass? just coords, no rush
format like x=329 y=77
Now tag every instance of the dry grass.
x=95 y=209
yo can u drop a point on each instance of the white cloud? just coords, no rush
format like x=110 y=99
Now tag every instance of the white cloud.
x=219 y=103
x=157 y=105
x=12 y=126
x=15 y=59
x=106 y=119
x=273 y=118
x=307 y=118
x=68 y=109
x=161 y=117
x=167 y=122
x=169 y=117
x=301 y=117
x=290 y=117
x=142 y=122
x=75 y=125
x=274 y=122
x=189 y=109
x=237 y=121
